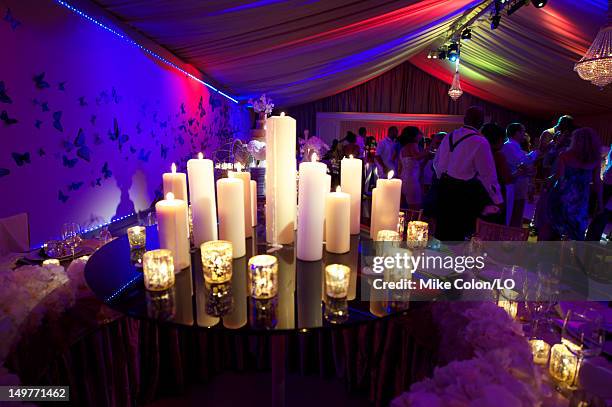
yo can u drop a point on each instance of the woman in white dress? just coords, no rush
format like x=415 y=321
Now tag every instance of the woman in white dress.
x=411 y=160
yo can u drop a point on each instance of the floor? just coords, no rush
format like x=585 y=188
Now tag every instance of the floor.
x=253 y=388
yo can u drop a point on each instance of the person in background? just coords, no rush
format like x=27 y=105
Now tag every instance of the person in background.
x=554 y=141
x=567 y=206
x=428 y=170
x=495 y=135
x=332 y=157
x=361 y=139
x=467 y=184
x=386 y=153
x=603 y=218
x=350 y=146
x=522 y=167
x=369 y=164
x=410 y=163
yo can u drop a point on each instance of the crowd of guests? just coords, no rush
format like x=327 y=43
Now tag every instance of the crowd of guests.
x=485 y=171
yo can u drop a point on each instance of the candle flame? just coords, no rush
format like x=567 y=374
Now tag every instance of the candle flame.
x=238 y=167
x=173 y=167
x=169 y=196
x=338 y=189
x=200 y=155
x=351 y=156
x=282 y=114
x=390 y=174
x=315 y=157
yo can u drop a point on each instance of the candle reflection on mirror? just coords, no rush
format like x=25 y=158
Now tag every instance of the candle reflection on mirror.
x=309 y=293
x=238 y=317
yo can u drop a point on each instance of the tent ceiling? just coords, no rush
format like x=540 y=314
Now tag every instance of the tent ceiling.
x=302 y=50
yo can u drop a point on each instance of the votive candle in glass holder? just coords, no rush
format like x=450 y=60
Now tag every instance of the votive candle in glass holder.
x=417 y=233
x=137 y=236
x=508 y=300
x=263 y=276
x=51 y=262
x=158 y=269
x=217 y=261
x=564 y=365
x=540 y=350
x=337 y=280
x=388 y=236
x=401 y=223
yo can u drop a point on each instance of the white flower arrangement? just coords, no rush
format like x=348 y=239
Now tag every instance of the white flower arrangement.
x=262 y=105
x=311 y=146
x=257 y=149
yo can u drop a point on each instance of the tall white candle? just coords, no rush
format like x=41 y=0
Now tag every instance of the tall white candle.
x=280 y=179
x=386 y=210
x=350 y=180
x=231 y=214
x=254 y=203
x=174 y=229
x=245 y=177
x=175 y=182
x=311 y=210
x=337 y=222
x=203 y=202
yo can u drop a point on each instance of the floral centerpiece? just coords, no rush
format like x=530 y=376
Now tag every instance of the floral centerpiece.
x=256 y=147
x=312 y=145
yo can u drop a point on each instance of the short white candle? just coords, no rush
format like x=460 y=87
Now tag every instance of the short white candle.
x=173 y=228
x=175 y=182
x=311 y=210
x=203 y=202
x=350 y=180
x=245 y=177
x=337 y=222
x=230 y=192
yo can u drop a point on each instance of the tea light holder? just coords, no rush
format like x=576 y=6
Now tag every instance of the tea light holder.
x=337 y=280
x=401 y=223
x=388 y=236
x=508 y=300
x=217 y=261
x=263 y=276
x=540 y=350
x=137 y=236
x=336 y=310
x=219 y=299
x=158 y=269
x=564 y=365
x=51 y=262
x=417 y=233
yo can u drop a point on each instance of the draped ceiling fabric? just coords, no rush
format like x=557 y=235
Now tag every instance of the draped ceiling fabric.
x=302 y=50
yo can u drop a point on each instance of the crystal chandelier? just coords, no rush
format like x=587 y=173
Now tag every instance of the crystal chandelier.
x=455 y=90
x=596 y=65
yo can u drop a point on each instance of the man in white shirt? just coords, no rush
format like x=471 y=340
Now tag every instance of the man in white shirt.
x=386 y=153
x=467 y=179
x=521 y=165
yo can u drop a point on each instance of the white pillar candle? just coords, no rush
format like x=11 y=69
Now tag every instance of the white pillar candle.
x=173 y=229
x=337 y=222
x=203 y=202
x=245 y=177
x=350 y=180
x=253 y=203
x=280 y=179
x=311 y=210
x=175 y=182
x=388 y=195
x=231 y=214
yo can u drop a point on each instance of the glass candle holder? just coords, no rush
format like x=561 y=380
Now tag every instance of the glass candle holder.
x=263 y=276
x=219 y=299
x=388 y=236
x=158 y=269
x=401 y=223
x=337 y=280
x=540 y=350
x=508 y=300
x=417 y=233
x=137 y=236
x=51 y=262
x=564 y=365
x=217 y=261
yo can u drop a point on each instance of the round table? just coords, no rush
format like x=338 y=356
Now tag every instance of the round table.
x=114 y=275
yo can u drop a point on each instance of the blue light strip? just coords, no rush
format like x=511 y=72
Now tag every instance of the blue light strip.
x=153 y=54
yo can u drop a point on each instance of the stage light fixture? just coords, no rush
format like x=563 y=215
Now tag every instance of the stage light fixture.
x=453 y=52
x=466 y=34
x=441 y=53
x=539 y=3
x=495 y=20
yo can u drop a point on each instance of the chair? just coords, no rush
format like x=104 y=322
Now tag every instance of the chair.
x=493 y=232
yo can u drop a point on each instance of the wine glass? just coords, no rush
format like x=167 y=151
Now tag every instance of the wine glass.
x=71 y=234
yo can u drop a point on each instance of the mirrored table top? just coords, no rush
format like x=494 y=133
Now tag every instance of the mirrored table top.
x=114 y=275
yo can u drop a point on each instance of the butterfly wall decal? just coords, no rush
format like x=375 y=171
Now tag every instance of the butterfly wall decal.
x=44 y=106
x=97 y=139
x=138 y=128
x=97 y=182
x=214 y=102
x=115 y=96
x=4 y=172
x=4 y=97
x=40 y=82
x=82 y=150
x=21 y=159
x=190 y=121
x=61 y=196
x=183 y=108
x=37 y=123
x=115 y=134
x=75 y=186
x=61 y=86
x=57 y=117
x=106 y=172
x=92 y=119
x=8 y=17
x=6 y=119
x=163 y=124
x=82 y=101
x=69 y=163
x=164 y=151
x=142 y=156
x=132 y=149
x=41 y=152
x=102 y=98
